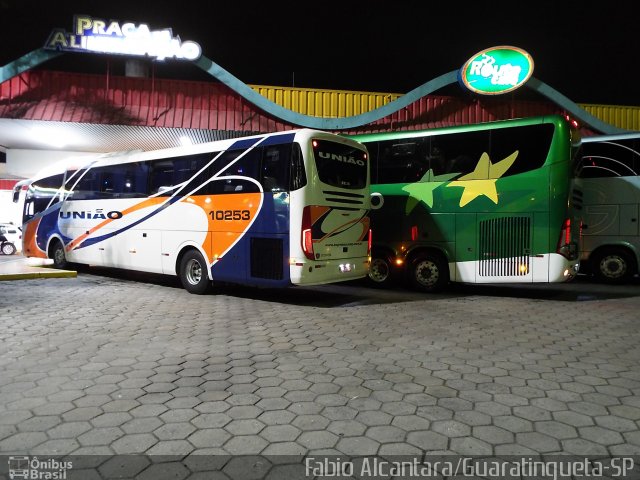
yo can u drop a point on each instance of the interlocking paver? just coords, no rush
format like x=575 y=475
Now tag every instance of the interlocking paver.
x=493 y=435
x=62 y=446
x=245 y=445
x=386 y=434
x=557 y=430
x=135 y=443
x=36 y=424
x=240 y=375
x=22 y=441
x=277 y=417
x=311 y=422
x=244 y=427
x=174 y=431
x=280 y=433
x=141 y=425
x=451 y=428
x=601 y=435
x=427 y=440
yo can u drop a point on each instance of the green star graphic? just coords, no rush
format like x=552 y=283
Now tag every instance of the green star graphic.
x=423 y=190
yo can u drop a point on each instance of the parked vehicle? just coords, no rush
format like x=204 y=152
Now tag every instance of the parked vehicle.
x=10 y=238
x=609 y=176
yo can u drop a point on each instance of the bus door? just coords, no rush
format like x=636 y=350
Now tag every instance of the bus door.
x=629 y=219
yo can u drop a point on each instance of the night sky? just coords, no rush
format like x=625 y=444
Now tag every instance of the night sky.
x=584 y=49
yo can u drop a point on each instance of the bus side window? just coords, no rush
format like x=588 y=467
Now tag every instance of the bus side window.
x=402 y=161
x=298 y=175
x=437 y=162
x=161 y=176
x=167 y=173
x=531 y=142
x=372 y=148
x=615 y=158
x=275 y=168
x=135 y=180
x=462 y=151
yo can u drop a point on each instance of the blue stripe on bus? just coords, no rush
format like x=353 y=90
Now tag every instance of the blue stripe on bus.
x=244 y=143
x=92 y=241
x=278 y=139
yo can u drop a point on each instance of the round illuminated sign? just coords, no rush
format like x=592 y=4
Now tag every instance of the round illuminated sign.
x=497 y=70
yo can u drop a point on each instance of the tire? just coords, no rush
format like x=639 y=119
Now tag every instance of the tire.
x=193 y=273
x=429 y=273
x=8 y=248
x=57 y=254
x=613 y=266
x=380 y=272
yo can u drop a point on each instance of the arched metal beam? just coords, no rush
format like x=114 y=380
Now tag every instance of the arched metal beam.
x=26 y=62
x=572 y=108
x=302 y=120
x=42 y=55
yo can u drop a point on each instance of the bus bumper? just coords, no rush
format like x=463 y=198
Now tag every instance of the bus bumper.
x=321 y=272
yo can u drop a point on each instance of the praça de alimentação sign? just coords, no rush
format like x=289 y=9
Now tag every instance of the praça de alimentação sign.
x=496 y=70
x=96 y=35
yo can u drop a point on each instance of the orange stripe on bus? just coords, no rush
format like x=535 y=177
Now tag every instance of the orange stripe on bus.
x=149 y=202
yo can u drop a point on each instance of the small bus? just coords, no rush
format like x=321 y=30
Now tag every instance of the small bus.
x=287 y=208
x=481 y=203
x=607 y=173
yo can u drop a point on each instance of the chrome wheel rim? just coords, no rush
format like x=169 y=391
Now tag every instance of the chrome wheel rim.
x=613 y=266
x=194 y=272
x=427 y=273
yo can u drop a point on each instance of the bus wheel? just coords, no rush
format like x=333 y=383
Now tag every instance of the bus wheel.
x=429 y=273
x=193 y=273
x=380 y=272
x=56 y=252
x=613 y=266
x=8 y=248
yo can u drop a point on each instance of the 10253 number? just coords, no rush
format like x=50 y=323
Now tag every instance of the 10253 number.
x=230 y=214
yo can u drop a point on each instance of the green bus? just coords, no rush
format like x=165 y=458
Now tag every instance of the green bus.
x=483 y=203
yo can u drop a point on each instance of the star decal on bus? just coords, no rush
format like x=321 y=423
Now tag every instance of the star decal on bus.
x=484 y=176
x=423 y=190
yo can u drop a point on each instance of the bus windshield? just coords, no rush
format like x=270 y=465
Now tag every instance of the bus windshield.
x=339 y=165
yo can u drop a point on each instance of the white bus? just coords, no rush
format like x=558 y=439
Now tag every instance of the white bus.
x=287 y=208
x=607 y=175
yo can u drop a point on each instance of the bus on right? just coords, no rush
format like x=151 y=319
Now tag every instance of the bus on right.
x=483 y=203
x=607 y=174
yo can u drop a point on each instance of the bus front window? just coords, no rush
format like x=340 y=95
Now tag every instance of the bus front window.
x=342 y=166
x=40 y=195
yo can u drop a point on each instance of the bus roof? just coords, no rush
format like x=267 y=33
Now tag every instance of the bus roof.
x=554 y=118
x=605 y=138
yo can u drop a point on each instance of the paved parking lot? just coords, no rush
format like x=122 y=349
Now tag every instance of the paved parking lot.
x=113 y=363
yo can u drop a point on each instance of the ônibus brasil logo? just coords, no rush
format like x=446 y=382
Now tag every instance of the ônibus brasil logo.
x=496 y=70
x=23 y=466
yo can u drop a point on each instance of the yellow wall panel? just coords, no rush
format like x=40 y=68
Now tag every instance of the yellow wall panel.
x=341 y=103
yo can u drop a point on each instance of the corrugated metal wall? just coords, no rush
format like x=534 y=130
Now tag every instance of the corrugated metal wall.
x=103 y=99
x=337 y=104
x=622 y=117
x=325 y=103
